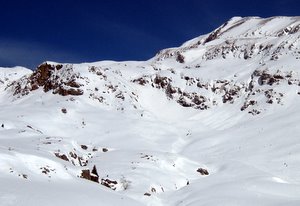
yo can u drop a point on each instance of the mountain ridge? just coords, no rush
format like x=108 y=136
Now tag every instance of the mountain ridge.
x=216 y=116
x=220 y=46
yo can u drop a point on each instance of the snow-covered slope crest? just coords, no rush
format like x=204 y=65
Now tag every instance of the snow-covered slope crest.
x=246 y=61
x=212 y=122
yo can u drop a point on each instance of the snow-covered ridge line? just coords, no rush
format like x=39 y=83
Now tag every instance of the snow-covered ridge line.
x=269 y=47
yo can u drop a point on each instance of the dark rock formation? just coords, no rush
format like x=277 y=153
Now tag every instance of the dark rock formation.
x=203 y=171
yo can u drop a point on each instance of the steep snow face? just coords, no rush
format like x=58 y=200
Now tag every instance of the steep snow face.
x=212 y=122
x=249 y=39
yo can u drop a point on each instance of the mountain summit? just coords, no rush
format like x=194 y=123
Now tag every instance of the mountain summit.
x=216 y=116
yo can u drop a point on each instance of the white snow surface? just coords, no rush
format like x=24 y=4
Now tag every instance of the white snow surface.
x=227 y=102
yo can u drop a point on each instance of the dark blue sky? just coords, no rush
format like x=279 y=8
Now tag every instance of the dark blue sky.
x=92 y=30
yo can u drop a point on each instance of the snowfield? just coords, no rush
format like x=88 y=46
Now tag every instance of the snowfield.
x=212 y=122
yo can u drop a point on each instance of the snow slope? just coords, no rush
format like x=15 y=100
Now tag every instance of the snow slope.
x=212 y=122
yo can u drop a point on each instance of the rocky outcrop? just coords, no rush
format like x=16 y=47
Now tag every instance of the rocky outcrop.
x=202 y=95
x=90 y=175
x=60 y=79
x=203 y=171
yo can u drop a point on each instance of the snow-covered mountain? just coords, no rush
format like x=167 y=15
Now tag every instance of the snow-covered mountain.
x=212 y=122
